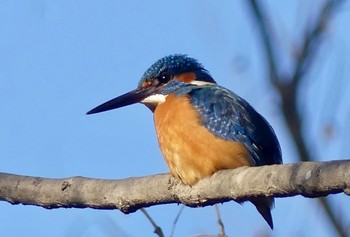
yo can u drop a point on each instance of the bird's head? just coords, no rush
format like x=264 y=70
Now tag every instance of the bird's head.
x=166 y=76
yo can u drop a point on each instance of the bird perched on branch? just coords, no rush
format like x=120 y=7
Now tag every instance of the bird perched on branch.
x=201 y=126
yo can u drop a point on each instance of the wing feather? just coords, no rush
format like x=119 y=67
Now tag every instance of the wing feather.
x=230 y=117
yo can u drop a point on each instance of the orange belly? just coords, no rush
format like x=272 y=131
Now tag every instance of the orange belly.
x=191 y=151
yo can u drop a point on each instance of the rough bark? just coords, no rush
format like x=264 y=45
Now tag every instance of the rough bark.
x=309 y=179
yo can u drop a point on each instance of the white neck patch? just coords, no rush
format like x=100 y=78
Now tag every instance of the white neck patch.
x=201 y=83
x=154 y=99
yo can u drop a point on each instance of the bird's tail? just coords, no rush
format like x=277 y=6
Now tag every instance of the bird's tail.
x=264 y=206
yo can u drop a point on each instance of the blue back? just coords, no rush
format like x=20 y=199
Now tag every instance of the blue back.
x=230 y=117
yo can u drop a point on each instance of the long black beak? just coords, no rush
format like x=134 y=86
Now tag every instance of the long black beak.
x=129 y=98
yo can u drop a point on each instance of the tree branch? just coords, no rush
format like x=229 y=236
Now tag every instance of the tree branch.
x=309 y=179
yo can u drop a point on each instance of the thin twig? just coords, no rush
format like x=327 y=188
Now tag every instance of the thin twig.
x=312 y=41
x=220 y=223
x=266 y=36
x=157 y=229
x=176 y=219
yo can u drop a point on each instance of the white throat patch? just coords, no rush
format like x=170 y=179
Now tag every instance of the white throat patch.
x=201 y=83
x=154 y=99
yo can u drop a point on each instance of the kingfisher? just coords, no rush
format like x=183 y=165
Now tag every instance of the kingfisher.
x=201 y=127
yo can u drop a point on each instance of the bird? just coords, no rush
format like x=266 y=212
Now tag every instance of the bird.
x=201 y=127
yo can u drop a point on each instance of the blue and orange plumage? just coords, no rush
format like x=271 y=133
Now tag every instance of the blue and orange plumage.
x=202 y=127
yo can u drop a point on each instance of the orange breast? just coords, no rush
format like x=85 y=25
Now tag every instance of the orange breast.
x=191 y=151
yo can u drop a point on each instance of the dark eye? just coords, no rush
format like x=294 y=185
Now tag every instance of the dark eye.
x=164 y=78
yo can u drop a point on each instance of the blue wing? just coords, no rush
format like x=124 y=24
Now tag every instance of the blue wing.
x=230 y=117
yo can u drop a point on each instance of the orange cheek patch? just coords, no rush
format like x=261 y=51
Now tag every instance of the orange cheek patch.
x=186 y=77
x=146 y=84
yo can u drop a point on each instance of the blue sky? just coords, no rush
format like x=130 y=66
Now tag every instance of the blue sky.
x=59 y=59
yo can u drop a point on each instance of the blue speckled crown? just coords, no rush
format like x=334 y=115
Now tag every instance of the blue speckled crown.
x=175 y=65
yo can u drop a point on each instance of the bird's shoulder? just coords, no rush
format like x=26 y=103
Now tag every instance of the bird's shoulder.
x=230 y=117
x=222 y=111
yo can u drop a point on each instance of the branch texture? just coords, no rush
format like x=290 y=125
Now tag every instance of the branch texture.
x=309 y=179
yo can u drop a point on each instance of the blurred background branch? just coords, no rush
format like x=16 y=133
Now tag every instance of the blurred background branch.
x=288 y=84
